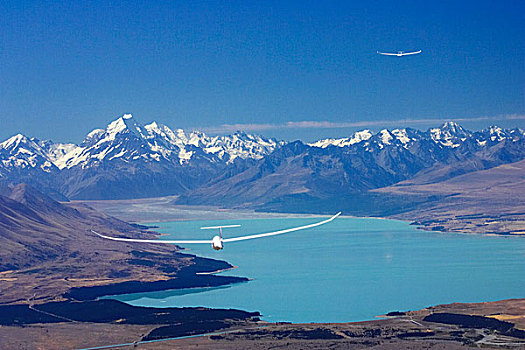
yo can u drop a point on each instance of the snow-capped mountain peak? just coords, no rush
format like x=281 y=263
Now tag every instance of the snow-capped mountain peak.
x=126 y=158
x=125 y=124
x=21 y=144
x=357 y=137
x=454 y=129
x=450 y=134
x=401 y=135
x=496 y=133
x=21 y=152
x=13 y=141
x=386 y=136
x=240 y=145
x=154 y=128
x=125 y=140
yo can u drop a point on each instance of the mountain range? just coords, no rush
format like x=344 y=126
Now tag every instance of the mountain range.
x=129 y=160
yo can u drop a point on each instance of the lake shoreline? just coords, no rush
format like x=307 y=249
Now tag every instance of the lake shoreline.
x=456 y=326
x=145 y=211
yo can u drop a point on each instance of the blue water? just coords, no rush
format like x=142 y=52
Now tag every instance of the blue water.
x=348 y=270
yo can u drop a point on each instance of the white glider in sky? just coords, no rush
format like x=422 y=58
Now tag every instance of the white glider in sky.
x=399 y=53
x=217 y=241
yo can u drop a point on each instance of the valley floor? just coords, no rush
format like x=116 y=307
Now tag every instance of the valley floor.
x=161 y=209
x=473 y=213
x=489 y=201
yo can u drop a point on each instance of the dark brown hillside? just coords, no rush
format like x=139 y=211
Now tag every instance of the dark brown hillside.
x=47 y=249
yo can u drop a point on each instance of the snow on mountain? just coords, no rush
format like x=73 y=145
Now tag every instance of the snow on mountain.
x=494 y=134
x=381 y=139
x=93 y=137
x=338 y=170
x=125 y=124
x=124 y=139
x=497 y=133
x=22 y=153
x=385 y=136
x=227 y=148
x=448 y=135
x=58 y=153
x=357 y=137
x=402 y=136
x=240 y=145
x=127 y=159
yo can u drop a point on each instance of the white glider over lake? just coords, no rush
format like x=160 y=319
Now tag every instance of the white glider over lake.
x=217 y=241
x=399 y=53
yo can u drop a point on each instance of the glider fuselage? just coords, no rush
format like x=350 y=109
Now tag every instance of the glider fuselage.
x=216 y=243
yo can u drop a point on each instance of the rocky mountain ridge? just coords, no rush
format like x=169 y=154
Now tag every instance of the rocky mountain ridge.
x=117 y=161
x=318 y=174
x=126 y=139
x=130 y=160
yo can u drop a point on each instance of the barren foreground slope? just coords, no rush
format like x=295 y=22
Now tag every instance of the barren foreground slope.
x=439 y=327
x=48 y=250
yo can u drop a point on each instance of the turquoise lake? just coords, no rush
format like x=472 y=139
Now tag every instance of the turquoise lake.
x=351 y=269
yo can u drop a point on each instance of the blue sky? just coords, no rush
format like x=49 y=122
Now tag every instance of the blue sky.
x=69 y=67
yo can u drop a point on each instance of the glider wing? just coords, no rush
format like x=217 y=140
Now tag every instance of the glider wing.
x=387 y=53
x=411 y=53
x=152 y=240
x=243 y=238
